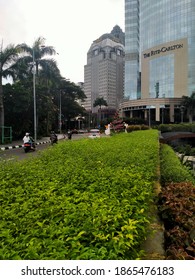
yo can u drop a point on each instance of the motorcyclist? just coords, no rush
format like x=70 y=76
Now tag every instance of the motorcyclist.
x=53 y=138
x=69 y=134
x=28 y=139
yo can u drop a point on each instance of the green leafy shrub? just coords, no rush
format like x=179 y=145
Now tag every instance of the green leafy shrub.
x=177 y=208
x=176 y=205
x=171 y=169
x=192 y=152
x=187 y=127
x=86 y=199
x=144 y=127
x=131 y=128
x=183 y=149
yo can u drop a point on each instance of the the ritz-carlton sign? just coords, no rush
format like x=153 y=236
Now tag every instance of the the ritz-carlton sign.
x=163 y=50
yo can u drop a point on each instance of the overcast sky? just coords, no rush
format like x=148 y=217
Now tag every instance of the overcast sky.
x=70 y=26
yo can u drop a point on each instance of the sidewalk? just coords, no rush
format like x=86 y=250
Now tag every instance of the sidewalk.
x=19 y=143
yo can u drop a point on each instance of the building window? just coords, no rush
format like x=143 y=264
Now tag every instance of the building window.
x=95 y=52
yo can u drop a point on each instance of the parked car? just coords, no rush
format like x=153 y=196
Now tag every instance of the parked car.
x=94 y=133
x=82 y=131
x=74 y=131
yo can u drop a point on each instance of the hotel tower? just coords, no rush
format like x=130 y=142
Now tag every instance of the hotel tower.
x=159 y=58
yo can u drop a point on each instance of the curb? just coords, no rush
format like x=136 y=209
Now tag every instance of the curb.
x=21 y=146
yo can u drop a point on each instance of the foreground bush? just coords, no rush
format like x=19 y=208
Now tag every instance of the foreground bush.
x=171 y=168
x=187 y=127
x=86 y=199
x=131 y=128
x=177 y=208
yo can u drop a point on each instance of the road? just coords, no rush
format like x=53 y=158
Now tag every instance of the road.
x=19 y=154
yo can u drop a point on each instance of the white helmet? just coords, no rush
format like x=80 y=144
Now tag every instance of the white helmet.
x=27 y=134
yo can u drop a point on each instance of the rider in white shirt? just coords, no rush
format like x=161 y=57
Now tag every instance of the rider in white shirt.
x=26 y=138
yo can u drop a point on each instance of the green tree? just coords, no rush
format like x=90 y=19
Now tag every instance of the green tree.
x=70 y=94
x=8 y=58
x=100 y=101
x=51 y=88
x=18 y=101
x=38 y=52
x=47 y=75
x=189 y=104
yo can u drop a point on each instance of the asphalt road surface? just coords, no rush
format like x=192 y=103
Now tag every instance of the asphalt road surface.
x=19 y=154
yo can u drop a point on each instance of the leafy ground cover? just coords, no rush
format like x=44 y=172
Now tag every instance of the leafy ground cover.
x=177 y=206
x=172 y=170
x=190 y=127
x=86 y=199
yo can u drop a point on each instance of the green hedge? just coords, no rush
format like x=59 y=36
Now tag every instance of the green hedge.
x=187 y=127
x=171 y=168
x=176 y=206
x=85 y=199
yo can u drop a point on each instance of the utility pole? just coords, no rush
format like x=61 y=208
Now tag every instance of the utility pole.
x=34 y=97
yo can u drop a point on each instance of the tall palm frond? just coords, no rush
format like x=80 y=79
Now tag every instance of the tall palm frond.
x=100 y=101
x=36 y=53
x=8 y=58
x=49 y=71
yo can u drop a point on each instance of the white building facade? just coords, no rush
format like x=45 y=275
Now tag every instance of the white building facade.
x=104 y=72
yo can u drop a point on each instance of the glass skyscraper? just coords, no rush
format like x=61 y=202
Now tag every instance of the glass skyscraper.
x=159 y=51
x=132 y=42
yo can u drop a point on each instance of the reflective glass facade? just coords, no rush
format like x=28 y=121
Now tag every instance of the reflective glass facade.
x=161 y=75
x=132 y=26
x=150 y=24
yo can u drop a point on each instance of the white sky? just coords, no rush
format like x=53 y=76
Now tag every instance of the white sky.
x=70 y=26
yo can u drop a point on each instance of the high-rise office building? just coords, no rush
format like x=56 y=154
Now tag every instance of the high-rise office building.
x=132 y=31
x=159 y=56
x=104 y=71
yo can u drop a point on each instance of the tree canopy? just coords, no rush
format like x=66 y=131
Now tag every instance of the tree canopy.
x=100 y=101
x=52 y=90
x=8 y=58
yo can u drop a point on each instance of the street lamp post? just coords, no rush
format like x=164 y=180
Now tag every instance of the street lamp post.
x=34 y=97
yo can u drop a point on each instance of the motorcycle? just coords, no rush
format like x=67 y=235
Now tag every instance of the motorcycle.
x=29 y=147
x=54 y=139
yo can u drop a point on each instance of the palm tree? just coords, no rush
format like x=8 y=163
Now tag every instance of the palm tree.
x=100 y=101
x=189 y=104
x=37 y=53
x=46 y=70
x=8 y=58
